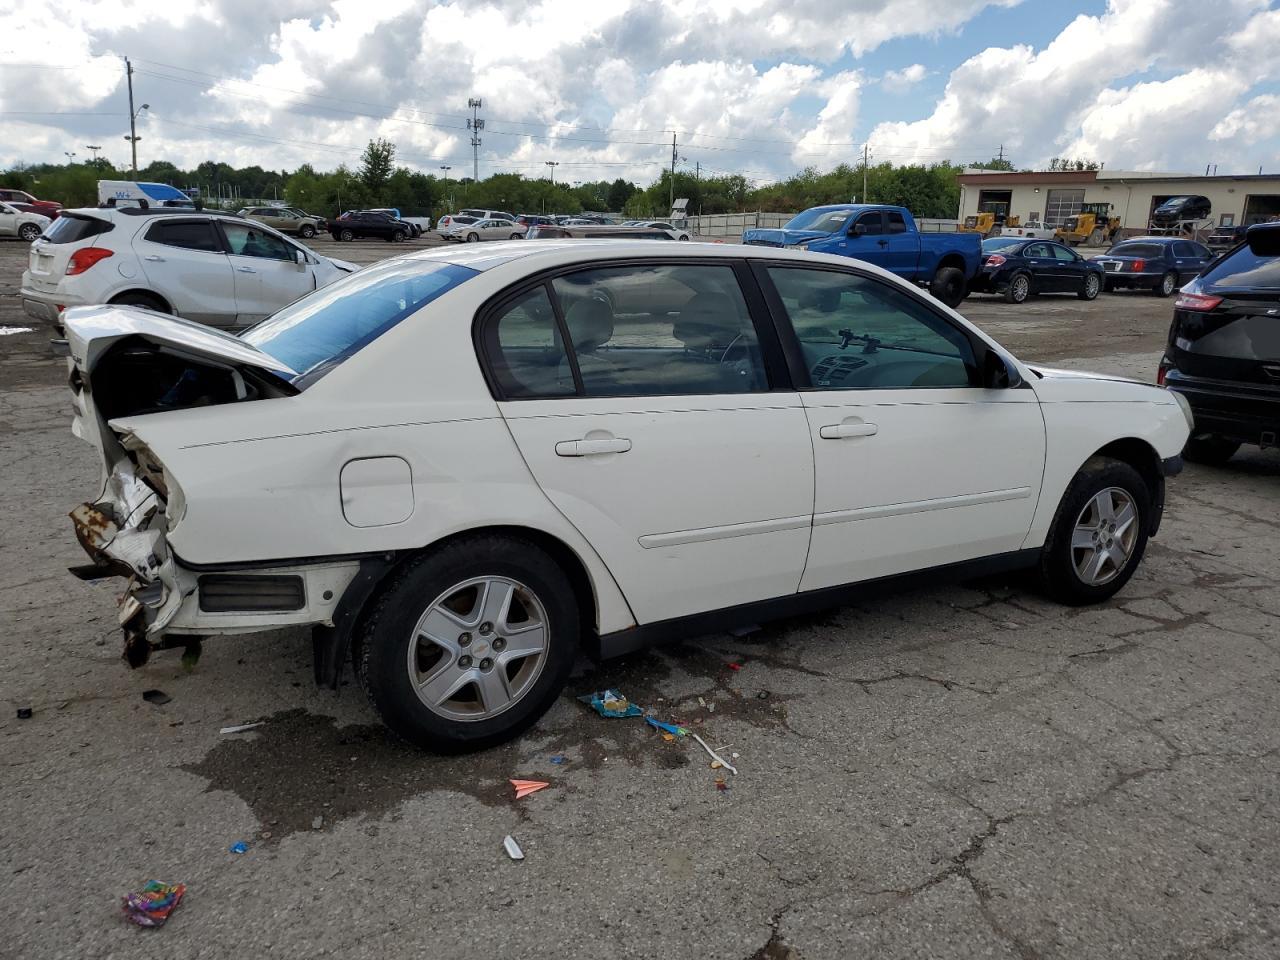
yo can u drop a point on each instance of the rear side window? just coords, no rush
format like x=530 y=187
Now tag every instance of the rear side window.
x=896 y=223
x=1181 y=248
x=70 y=228
x=1242 y=270
x=188 y=234
x=526 y=351
x=316 y=333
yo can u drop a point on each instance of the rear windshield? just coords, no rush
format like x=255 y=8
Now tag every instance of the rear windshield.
x=316 y=333
x=464 y=219
x=1242 y=270
x=1001 y=243
x=72 y=228
x=828 y=221
x=1152 y=250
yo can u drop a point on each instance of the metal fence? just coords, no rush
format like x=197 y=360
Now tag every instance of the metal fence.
x=729 y=226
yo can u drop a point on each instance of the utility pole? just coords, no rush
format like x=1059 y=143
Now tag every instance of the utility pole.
x=475 y=125
x=1000 y=155
x=672 y=205
x=133 y=130
x=865 y=157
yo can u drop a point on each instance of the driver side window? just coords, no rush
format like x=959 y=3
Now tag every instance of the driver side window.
x=871 y=223
x=248 y=240
x=858 y=333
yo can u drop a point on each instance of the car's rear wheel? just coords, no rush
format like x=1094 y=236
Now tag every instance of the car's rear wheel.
x=1168 y=283
x=306 y=231
x=346 y=235
x=1019 y=288
x=514 y=236
x=948 y=285
x=29 y=232
x=472 y=237
x=470 y=644
x=140 y=298
x=1209 y=449
x=1098 y=535
x=1092 y=287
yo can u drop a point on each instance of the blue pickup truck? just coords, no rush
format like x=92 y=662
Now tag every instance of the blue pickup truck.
x=886 y=236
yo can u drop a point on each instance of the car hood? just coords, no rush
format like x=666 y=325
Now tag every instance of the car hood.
x=91 y=330
x=1053 y=373
x=781 y=238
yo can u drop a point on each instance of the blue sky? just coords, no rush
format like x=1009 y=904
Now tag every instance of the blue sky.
x=762 y=87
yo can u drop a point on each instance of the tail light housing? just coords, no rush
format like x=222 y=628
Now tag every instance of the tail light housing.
x=995 y=260
x=1199 y=302
x=1138 y=266
x=1163 y=370
x=85 y=258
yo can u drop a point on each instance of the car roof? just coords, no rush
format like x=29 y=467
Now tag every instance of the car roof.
x=1152 y=240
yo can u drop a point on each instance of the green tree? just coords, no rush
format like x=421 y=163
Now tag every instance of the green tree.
x=376 y=164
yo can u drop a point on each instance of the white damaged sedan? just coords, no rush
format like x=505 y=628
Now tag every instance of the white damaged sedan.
x=463 y=467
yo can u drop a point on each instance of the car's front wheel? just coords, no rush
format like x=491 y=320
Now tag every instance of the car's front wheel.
x=470 y=644
x=1098 y=535
x=346 y=235
x=472 y=237
x=1092 y=287
x=514 y=236
x=1210 y=450
x=28 y=232
x=1019 y=288
x=1168 y=283
x=398 y=236
x=306 y=231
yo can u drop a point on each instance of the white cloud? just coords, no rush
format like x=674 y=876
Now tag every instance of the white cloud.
x=1248 y=124
x=899 y=81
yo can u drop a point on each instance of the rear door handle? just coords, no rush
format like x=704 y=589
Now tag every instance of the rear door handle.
x=246 y=269
x=592 y=448
x=843 y=431
x=154 y=259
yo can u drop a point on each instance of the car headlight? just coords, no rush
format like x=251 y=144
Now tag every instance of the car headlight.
x=1185 y=406
x=796 y=246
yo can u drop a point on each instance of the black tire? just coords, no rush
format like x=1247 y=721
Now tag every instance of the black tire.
x=306 y=231
x=1168 y=283
x=1211 y=450
x=1057 y=572
x=140 y=298
x=387 y=630
x=515 y=236
x=346 y=235
x=472 y=238
x=29 y=232
x=1019 y=288
x=1092 y=287
x=398 y=237
x=949 y=286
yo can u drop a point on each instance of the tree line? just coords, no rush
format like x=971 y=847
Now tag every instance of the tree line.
x=377 y=181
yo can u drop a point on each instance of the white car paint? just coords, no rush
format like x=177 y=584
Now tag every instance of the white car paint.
x=720 y=500
x=1032 y=230
x=208 y=286
x=20 y=223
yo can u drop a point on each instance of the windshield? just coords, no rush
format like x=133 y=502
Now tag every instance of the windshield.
x=1175 y=201
x=1001 y=243
x=828 y=221
x=1152 y=250
x=318 y=332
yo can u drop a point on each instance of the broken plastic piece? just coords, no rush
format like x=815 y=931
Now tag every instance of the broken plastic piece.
x=158 y=697
x=610 y=703
x=24 y=713
x=512 y=848
x=241 y=728
x=526 y=787
x=674 y=729
x=239 y=847
x=735 y=666
x=559 y=758
x=151 y=906
x=721 y=785
x=715 y=756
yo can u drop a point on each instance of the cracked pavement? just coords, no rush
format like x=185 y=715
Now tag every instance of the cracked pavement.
x=966 y=771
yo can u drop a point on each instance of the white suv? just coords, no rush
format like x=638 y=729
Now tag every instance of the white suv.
x=212 y=268
x=464 y=466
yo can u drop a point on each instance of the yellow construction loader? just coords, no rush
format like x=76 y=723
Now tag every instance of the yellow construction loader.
x=1093 y=225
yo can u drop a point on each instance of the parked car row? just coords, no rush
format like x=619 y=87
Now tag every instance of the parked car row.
x=1017 y=268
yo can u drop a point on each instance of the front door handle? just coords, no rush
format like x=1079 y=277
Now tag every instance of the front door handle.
x=843 y=431
x=246 y=269
x=592 y=448
x=154 y=259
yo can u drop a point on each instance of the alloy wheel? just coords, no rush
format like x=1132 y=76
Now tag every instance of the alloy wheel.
x=1091 y=286
x=1104 y=537
x=1021 y=287
x=1167 y=284
x=479 y=648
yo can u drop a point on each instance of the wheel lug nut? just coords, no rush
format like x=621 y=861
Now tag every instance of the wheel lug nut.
x=464 y=661
x=499 y=643
x=486 y=664
x=464 y=640
x=486 y=628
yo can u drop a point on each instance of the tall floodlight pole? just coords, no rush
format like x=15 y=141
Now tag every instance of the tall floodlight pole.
x=475 y=125
x=552 y=164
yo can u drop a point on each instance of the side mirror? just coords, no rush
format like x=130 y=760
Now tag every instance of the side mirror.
x=300 y=259
x=1264 y=240
x=858 y=230
x=997 y=374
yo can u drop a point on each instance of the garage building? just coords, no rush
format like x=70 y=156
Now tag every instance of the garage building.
x=1055 y=195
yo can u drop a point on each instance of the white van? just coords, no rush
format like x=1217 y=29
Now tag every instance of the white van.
x=129 y=193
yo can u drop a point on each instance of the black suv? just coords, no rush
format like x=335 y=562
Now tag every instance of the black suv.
x=1176 y=209
x=1223 y=353
x=365 y=223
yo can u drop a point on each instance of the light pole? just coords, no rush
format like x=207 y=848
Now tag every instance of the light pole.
x=132 y=135
x=71 y=157
x=446 y=170
x=95 y=147
x=552 y=164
